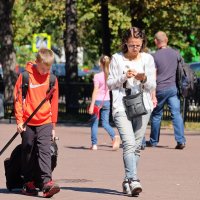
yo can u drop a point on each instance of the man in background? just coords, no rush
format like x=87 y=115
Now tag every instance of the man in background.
x=166 y=60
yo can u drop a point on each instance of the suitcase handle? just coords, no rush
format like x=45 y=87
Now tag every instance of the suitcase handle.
x=48 y=96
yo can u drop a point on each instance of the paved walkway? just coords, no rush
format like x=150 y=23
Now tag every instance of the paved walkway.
x=165 y=173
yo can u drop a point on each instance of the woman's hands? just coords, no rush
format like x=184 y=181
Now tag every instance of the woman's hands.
x=133 y=73
x=141 y=77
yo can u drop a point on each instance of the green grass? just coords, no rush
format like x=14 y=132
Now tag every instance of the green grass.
x=191 y=126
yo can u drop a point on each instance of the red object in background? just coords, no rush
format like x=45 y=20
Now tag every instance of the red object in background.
x=86 y=70
x=17 y=69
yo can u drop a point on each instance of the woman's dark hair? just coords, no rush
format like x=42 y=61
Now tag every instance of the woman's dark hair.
x=135 y=33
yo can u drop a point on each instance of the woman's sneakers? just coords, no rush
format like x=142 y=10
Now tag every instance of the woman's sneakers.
x=131 y=187
x=126 y=188
x=116 y=142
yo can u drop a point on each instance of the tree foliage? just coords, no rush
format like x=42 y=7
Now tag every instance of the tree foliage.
x=179 y=18
x=36 y=16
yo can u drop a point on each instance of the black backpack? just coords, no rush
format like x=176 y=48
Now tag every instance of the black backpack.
x=186 y=79
x=25 y=83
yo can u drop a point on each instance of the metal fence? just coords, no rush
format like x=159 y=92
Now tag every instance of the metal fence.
x=75 y=97
x=190 y=107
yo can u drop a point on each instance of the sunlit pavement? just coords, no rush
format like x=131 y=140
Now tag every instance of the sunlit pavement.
x=165 y=173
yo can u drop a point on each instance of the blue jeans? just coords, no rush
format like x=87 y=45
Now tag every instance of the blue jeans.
x=170 y=97
x=105 y=113
x=131 y=133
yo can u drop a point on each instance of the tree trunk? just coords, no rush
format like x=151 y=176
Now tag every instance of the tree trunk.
x=137 y=10
x=105 y=27
x=7 y=52
x=70 y=43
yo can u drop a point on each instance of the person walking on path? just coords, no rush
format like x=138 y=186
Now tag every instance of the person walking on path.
x=101 y=98
x=40 y=130
x=132 y=67
x=166 y=61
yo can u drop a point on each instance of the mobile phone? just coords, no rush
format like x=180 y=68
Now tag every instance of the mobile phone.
x=140 y=74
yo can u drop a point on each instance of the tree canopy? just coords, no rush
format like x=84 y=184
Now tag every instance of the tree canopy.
x=87 y=27
x=179 y=18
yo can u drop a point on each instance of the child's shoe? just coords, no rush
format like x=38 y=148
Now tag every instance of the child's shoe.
x=29 y=189
x=50 y=188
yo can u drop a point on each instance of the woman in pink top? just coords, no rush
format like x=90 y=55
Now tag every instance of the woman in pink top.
x=100 y=97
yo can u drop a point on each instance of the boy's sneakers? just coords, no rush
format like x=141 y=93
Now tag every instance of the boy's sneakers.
x=116 y=142
x=49 y=189
x=131 y=187
x=29 y=189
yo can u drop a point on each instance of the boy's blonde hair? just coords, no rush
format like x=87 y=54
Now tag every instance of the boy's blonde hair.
x=45 y=56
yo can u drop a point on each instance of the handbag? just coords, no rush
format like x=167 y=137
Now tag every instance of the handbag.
x=134 y=105
x=96 y=111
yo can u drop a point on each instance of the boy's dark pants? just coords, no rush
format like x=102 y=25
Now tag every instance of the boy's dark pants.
x=36 y=153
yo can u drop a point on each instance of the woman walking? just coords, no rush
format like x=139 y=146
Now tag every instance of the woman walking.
x=131 y=70
x=101 y=98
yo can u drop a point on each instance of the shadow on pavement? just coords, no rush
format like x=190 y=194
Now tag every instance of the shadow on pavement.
x=93 y=190
x=100 y=148
x=3 y=190
x=77 y=147
x=72 y=180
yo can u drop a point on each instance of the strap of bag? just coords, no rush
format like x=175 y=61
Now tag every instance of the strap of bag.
x=128 y=90
x=103 y=99
x=48 y=96
x=25 y=83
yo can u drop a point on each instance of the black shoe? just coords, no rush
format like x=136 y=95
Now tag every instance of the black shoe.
x=142 y=147
x=29 y=189
x=180 y=146
x=148 y=144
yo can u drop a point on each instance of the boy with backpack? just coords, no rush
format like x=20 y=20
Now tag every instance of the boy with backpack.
x=38 y=134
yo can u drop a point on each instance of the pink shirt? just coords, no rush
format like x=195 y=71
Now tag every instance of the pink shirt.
x=99 y=81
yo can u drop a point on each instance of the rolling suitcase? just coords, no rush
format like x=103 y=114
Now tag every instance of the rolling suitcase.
x=12 y=168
